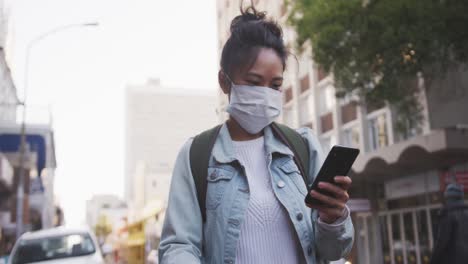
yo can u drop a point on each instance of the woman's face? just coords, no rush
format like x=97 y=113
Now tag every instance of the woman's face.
x=267 y=71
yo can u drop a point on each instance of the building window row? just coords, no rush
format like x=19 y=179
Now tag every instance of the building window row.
x=378 y=131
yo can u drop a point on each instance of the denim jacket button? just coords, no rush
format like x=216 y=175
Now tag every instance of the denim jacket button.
x=213 y=175
x=281 y=184
x=299 y=216
x=234 y=222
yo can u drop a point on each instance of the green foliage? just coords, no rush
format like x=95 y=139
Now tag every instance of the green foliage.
x=376 y=48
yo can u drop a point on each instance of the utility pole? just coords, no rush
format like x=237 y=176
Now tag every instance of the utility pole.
x=22 y=149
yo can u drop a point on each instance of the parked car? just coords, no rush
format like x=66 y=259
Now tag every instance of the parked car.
x=57 y=245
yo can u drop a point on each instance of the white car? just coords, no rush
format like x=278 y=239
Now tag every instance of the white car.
x=57 y=245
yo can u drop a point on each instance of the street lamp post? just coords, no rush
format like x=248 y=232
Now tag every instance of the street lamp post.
x=21 y=170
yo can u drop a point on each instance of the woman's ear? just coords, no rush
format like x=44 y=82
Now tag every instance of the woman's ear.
x=224 y=82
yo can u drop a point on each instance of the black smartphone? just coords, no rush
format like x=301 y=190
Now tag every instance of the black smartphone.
x=338 y=163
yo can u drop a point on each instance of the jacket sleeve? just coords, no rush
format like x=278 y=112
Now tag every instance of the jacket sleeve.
x=182 y=233
x=330 y=243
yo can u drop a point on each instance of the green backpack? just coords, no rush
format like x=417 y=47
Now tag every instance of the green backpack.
x=202 y=145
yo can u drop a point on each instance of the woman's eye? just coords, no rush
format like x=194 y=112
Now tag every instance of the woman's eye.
x=253 y=83
x=276 y=87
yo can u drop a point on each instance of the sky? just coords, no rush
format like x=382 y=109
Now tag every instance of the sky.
x=80 y=74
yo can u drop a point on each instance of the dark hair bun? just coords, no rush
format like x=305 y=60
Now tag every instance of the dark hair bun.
x=251 y=31
x=251 y=16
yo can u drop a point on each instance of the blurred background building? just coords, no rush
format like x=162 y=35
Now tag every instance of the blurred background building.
x=399 y=177
x=40 y=163
x=109 y=206
x=158 y=121
x=8 y=104
x=39 y=209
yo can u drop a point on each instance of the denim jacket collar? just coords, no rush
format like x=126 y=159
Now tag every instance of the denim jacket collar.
x=223 y=150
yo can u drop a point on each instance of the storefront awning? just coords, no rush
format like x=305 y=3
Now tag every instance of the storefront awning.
x=11 y=143
x=436 y=150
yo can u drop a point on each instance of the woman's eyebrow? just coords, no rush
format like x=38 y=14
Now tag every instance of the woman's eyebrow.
x=278 y=79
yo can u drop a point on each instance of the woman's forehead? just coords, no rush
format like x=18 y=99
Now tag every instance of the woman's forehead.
x=267 y=63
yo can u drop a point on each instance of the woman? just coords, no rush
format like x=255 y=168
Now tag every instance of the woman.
x=255 y=212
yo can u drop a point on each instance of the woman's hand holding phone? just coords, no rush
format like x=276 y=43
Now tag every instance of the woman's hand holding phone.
x=333 y=205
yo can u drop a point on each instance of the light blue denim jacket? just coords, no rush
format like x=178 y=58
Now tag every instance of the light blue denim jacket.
x=186 y=239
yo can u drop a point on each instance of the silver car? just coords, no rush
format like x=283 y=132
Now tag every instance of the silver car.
x=58 y=245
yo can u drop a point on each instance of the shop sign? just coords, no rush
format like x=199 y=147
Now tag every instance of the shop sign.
x=460 y=177
x=412 y=185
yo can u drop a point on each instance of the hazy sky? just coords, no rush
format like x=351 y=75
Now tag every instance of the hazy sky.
x=82 y=72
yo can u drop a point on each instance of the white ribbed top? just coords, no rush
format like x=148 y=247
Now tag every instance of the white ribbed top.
x=267 y=234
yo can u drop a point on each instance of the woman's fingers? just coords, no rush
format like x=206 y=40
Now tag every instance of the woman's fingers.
x=334 y=202
x=328 y=201
x=343 y=181
x=335 y=190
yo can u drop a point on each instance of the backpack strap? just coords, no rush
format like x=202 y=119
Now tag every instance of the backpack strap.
x=200 y=153
x=298 y=145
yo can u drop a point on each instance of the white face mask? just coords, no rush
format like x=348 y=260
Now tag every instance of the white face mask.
x=254 y=107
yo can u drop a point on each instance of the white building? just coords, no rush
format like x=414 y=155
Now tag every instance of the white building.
x=8 y=97
x=108 y=206
x=158 y=122
x=400 y=175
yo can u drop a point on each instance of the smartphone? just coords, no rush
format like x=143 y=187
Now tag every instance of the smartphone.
x=338 y=163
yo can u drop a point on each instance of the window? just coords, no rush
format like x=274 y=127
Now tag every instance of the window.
x=348 y=112
x=378 y=134
x=288 y=94
x=374 y=106
x=326 y=122
x=351 y=137
x=305 y=85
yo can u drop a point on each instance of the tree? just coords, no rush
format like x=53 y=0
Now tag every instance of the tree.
x=376 y=48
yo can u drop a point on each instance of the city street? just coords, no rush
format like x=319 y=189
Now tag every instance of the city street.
x=233 y=131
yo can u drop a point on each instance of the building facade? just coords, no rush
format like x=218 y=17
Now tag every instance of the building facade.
x=111 y=207
x=8 y=105
x=159 y=120
x=399 y=176
x=8 y=96
x=39 y=170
